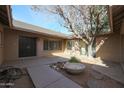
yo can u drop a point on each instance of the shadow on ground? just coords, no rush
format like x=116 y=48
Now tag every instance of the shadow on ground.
x=106 y=74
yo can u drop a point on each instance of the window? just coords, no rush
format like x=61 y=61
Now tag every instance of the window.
x=27 y=46
x=45 y=47
x=52 y=45
x=70 y=44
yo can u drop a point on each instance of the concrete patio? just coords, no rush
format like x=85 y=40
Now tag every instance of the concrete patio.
x=44 y=76
x=110 y=69
x=34 y=61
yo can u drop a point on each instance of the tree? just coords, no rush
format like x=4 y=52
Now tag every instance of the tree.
x=86 y=22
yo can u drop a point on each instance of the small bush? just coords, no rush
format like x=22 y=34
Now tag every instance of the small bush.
x=74 y=60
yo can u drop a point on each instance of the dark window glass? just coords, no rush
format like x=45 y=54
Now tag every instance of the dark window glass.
x=27 y=46
x=52 y=45
x=45 y=45
x=69 y=44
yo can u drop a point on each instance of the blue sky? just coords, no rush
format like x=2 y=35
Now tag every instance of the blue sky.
x=25 y=14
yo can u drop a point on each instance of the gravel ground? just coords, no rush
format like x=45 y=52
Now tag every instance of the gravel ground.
x=23 y=82
x=91 y=79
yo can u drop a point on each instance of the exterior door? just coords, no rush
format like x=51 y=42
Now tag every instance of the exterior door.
x=27 y=46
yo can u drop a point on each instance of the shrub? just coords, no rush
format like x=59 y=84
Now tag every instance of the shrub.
x=74 y=60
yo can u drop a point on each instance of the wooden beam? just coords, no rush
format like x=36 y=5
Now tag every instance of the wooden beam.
x=119 y=17
x=9 y=13
x=2 y=8
x=3 y=14
x=117 y=22
x=118 y=10
x=110 y=18
x=1 y=28
x=117 y=28
x=3 y=20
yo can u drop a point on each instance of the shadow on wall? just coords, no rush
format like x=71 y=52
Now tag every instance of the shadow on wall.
x=110 y=49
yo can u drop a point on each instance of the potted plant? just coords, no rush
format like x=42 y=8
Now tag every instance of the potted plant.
x=74 y=66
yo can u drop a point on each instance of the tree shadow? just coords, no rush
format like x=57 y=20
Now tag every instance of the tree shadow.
x=111 y=74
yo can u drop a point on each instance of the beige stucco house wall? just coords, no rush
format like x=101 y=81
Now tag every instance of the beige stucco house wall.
x=11 y=42
x=113 y=47
x=122 y=42
x=1 y=44
x=110 y=50
x=122 y=48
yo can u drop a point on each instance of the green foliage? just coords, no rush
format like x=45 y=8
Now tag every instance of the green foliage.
x=74 y=60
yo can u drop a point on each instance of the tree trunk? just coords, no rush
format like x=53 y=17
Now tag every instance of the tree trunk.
x=90 y=49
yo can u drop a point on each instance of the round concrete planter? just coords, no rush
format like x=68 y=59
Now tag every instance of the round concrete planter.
x=74 y=68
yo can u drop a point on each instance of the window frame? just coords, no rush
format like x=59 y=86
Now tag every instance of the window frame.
x=49 y=45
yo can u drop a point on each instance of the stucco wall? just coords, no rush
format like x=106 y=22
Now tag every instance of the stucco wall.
x=1 y=44
x=110 y=50
x=122 y=48
x=1 y=49
x=10 y=45
x=122 y=27
x=122 y=42
x=12 y=40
